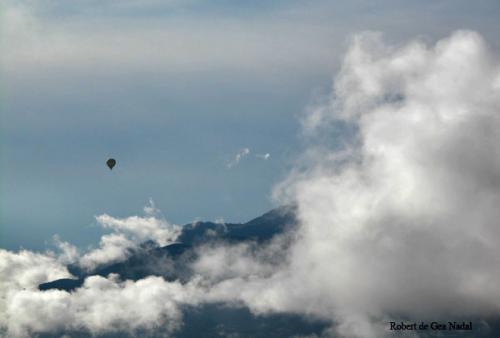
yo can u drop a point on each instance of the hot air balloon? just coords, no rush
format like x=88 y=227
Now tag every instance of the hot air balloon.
x=111 y=163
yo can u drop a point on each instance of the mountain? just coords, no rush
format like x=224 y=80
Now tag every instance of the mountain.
x=171 y=261
x=258 y=229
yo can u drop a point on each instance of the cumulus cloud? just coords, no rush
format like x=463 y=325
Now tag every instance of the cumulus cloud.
x=237 y=158
x=129 y=233
x=112 y=248
x=404 y=220
x=26 y=269
x=22 y=272
x=142 y=228
x=68 y=253
x=107 y=304
x=101 y=305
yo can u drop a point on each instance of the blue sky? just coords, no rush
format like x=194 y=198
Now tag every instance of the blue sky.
x=173 y=90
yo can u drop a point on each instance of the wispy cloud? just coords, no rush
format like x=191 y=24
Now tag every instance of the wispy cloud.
x=237 y=158
x=265 y=156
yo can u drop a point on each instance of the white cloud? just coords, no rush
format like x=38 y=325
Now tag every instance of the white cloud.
x=127 y=234
x=104 y=305
x=405 y=221
x=265 y=156
x=142 y=228
x=237 y=158
x=68 y=253
x=112 y=248
x=223 y=262
x=101 y=305
x=22 y=272
x=26 y=269
x=151 y=209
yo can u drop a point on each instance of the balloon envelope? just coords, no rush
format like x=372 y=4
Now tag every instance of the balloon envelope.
x=111 y=163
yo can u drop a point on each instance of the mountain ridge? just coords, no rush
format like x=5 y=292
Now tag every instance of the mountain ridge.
x=150 y=259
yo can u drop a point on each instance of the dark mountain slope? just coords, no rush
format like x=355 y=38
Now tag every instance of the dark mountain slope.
x=171 y=261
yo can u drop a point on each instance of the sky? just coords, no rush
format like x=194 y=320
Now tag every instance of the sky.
x=400 y=223
x=378 y=120
x=174 y=90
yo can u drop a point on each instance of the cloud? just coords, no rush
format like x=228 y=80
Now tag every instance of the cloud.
x=112 y=248
x=128 y=234
x=101 y=305
x=68 y=253
x=126 y=36
x=402 y=222
x=26 y=269
x=243 y=153
x=265 y=156
x=222 y=262
x=22 y=272
x=237 y=158
x=141 y=228
x=384 y=221
x=107 y=304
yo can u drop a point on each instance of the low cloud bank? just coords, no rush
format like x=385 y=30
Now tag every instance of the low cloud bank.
x=401 y=221
x=101 y=305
